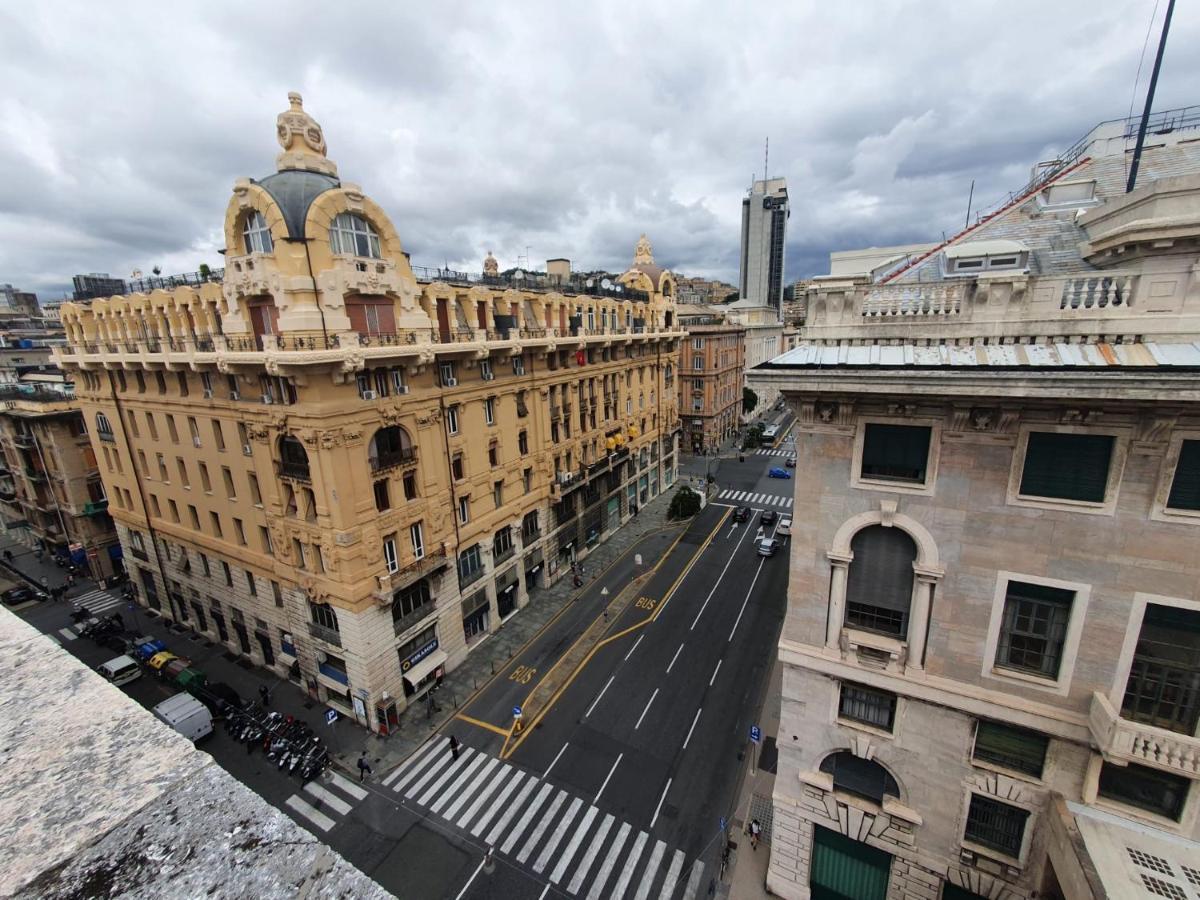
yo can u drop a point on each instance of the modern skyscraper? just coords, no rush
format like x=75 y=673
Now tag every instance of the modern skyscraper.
x=764 y=230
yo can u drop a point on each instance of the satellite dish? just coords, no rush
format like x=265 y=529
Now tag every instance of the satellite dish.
x=606 y=284
x=518 y=275
x=590 y=282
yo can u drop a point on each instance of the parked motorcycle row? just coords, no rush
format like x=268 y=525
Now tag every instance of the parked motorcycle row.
x=287 y=741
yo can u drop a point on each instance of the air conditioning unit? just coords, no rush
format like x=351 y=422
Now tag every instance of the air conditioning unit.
x=208 y=394
x=489 y=376
x=195 y=441
x=246 y=450
x=268 y=399
x=235 y=395
x=451 y=382
x=369 y=395
x=403 y=389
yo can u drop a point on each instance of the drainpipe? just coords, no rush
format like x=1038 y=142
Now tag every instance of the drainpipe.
x=316 y=291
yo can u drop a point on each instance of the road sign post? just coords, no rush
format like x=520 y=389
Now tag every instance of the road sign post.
x=331 y=716
x=755 y=737
x=517 y=719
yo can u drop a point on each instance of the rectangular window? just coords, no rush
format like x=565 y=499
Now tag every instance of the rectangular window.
x=171 y=429
x=255 y=493
x=456 y=467
x=390 y=557
x=155 y=507
x=382 y=501
x=995 y=825
x=859 y=703
x=895 y=452
x=1144 y=788
x=470 y=565
x=446 y=374
x=142 y=462
x=489 y=410
x=1067 y=466
x=523 y=443
x=277 y=593
x=518 y=365
x=1162 y=690
x=205 y=481
x=174 y=509
x=228 y=573
x=502 y=544
x=485 y=370
x=493 y=454
x=298 y=550
x=204 y=563
x=1034 y=628
x=206 y=383
x=417 y=537
x=251 y=585
x=216 y=524
x=182 y=378
x=498 y=493
x=227 y=475
x=698 y=363
x=464 y=510
x=1185 y=483
x=264 y=537
x=151 y=426
x=410 y=486
x=452 y=419
x=1011 y=747
x=161 y=381
x=195 y=517
x=133 y=425
x=409 y=647
x=141 y=382
x=241 y=531
x=218 y=434
x=183 y=474
x=162 y=468
x=194 y=430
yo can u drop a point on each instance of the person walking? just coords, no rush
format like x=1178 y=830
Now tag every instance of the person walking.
x=45 y=583
x=364 y=767
x=8 y=556
x=265 y=695
x=454 y=746
x=755 y=831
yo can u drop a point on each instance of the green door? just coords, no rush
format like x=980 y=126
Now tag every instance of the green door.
x=844 y=869
x=954 y=892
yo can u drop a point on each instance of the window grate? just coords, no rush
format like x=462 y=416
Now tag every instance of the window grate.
x=1192 y=875
x=997 y=825
x=1150 y=861
x=871 y=707
x=1163 y=888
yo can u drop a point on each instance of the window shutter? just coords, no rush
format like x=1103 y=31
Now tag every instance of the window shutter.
x=881 y=574
x=1185 y=487
x=899 y=452
x=1067 y=466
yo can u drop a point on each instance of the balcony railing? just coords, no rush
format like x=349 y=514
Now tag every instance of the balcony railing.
x=407 y=621
x=400 y=338
x=389 y=459
x=1133 y=742
x=914 y=300
x=324 y=633
x=295 y=470
x=1097 y=292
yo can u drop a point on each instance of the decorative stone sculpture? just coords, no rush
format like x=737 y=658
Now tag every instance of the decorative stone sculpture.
x=302 y=140
x=491 y=268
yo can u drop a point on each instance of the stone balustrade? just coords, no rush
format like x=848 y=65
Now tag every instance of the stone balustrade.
x=913 y=300
x=1095 y=292
x=1132 y=742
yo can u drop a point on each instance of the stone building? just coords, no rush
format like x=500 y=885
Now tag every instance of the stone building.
x=51 y=495
x=711 y=363
x=991 y=654
x=352 y=471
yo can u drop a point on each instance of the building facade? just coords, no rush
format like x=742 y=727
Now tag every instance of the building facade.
x=97 y=284
x=51 y=493
x=711 y=363
x=351 y=474
x=764 y=237
x=23 y=303
x=991 y=654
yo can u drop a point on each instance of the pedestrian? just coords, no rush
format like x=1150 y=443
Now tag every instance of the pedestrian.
x=45 y=583
x=364 y=767
x=8 y=556
x=70 y=580
x=454 y=746
x=265 y=695
x=755 y=831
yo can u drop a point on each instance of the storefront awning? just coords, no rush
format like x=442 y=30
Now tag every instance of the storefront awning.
x=420 y=671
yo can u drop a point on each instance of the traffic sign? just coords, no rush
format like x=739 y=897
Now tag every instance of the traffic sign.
x=331 y=716
x=516 y=712
x=722 y=823
x=755 y=733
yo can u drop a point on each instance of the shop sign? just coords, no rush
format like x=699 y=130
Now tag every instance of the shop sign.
x=419 y=655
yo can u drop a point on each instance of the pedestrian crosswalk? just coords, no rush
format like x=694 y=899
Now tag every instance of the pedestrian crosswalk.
x=325 y=798
x=561 y=837
x=750 y=498
x=782 y=451
x=98 y=602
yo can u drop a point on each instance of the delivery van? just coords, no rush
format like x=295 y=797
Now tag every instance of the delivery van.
x=121 y=670
x=187 y=715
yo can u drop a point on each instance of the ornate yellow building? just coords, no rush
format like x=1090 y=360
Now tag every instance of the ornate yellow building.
x=352 y=471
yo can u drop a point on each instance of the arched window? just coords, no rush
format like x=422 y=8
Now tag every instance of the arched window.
x=293 y=459
x=666 y=288
x=389 y=447
x=861 y=777
x=323 y=615
x=104 y=428
x=354 y=235
x=256 y=234
x=880 y=582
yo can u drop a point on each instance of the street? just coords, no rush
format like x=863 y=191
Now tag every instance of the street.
x=636 y=704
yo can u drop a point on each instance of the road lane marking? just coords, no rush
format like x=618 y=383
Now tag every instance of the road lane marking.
x=321 y=820
x=469 y=791
x=541 y=827
x=494 y=834
x=658 y=808
x=501 y=777
x=672 y=878
x=590 y=856
x=479 y=723
x=601 y=694
x=720 y=577
x=673 y=658
x=634 y=647
x=411 y=766
x=460 y=764
x=714 y=675
x=464 y=776
x=606 y=779
x=635 y=857
x=747 y=600
x=67 y=634
x=693 y=883
x=693 y=728
x=610 y=860
x=646 y=710
x=558 y=834
x=564 y=860
x=509 y=787
x=545 y=891
x=478 y=869
x=428 y=775
x=651 y=872
x=560 y=753
x=348 y=786
x=333 y=801
x=523 y=822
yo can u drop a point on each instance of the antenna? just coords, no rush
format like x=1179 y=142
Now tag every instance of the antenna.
x=766 y=157
x=970 y=197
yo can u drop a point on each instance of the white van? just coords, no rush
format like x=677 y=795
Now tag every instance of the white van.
x=187 y=715
x=121 y=670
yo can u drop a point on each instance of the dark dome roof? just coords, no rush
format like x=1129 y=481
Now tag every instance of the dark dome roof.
x=654 y=272
x=295 y=190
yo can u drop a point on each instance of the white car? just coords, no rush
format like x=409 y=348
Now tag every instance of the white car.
x=767 y=547
x=784 y=529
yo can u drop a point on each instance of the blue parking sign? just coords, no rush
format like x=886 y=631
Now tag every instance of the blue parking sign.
x=755 y=733
x=331 y=716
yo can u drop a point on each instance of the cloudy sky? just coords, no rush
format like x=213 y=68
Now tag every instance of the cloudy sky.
x=557 y=129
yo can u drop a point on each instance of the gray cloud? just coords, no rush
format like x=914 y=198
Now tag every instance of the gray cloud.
x=562 y=128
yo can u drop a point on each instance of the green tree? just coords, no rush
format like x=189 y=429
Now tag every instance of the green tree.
x=684 y=505
x=205 y=272
x=749 y=400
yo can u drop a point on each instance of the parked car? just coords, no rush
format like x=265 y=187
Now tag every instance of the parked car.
x=741 y=514
x=121 y=670
x=767 y=547
x=790 y=462
x=187 y=715
x=160 y=659
x=18 y=595
x=769 y=517
x=784 y=529
x=779 y=473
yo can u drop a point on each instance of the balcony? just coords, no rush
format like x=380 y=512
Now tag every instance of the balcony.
x=390 y=459
x=1124 y=741
x=26 y=441
x=35 y=474
x=324 y=633
x=297 y=471
x=405 y=622
x=914 y=300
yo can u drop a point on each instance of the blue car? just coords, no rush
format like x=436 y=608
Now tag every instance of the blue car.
x=779 y=473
